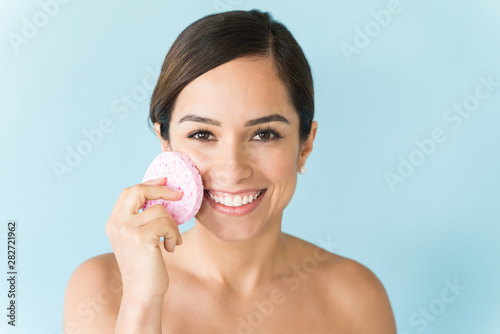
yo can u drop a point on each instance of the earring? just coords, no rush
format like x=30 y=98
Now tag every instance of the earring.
x=302 y=169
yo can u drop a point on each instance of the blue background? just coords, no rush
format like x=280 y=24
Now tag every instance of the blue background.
x=439 y=226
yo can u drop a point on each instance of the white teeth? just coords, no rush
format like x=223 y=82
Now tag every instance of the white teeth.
x=228 y=201
x=235 y=201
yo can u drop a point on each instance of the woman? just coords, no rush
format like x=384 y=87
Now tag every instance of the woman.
x=235 y=94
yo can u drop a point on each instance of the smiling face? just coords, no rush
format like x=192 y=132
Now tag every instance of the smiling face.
x=237 y=124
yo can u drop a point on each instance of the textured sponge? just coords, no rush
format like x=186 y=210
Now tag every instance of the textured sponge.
x=181 y=173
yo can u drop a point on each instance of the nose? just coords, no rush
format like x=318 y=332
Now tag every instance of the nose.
x=231 y=164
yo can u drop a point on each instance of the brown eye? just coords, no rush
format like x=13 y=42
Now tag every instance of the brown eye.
x=265 y=135
x=202 y=136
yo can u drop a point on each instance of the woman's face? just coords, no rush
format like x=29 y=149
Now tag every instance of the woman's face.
x=238 y=126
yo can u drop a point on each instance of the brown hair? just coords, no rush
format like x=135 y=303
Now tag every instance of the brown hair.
x=218 y=38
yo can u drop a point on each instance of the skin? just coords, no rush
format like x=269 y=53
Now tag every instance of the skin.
x=230 y=274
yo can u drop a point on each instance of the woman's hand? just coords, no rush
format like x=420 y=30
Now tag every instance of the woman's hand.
x=135 y=239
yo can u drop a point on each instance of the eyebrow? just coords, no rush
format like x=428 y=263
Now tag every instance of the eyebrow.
x=257 y=121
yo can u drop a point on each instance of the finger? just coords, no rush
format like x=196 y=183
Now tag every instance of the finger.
x=158 y=211
x=162 y=228
x=169 y=244
x=161 y=181
x=122 y=199
x=125 y=201
x=138 y=194
x=154 y=213
x=151 y=214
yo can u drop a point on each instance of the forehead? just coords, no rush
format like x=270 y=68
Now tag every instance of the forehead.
x=238 y=90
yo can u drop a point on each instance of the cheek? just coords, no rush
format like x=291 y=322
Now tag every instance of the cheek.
x=201 y=158
x=279 y=165
x=197 y=153
x=280 y=169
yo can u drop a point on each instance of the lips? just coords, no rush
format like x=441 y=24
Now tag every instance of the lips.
x=229 y=203
x=234 y=200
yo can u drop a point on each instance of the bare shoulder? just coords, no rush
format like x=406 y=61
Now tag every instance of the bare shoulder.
x=355 y=292
x=93 y=295
x=349 y=292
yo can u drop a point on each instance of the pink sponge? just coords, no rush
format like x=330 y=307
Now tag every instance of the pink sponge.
x=181 y=173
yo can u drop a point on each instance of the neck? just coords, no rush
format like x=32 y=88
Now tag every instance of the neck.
x=238 y=265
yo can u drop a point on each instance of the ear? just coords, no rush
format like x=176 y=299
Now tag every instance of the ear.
x=165 y=146
x=307 y=146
